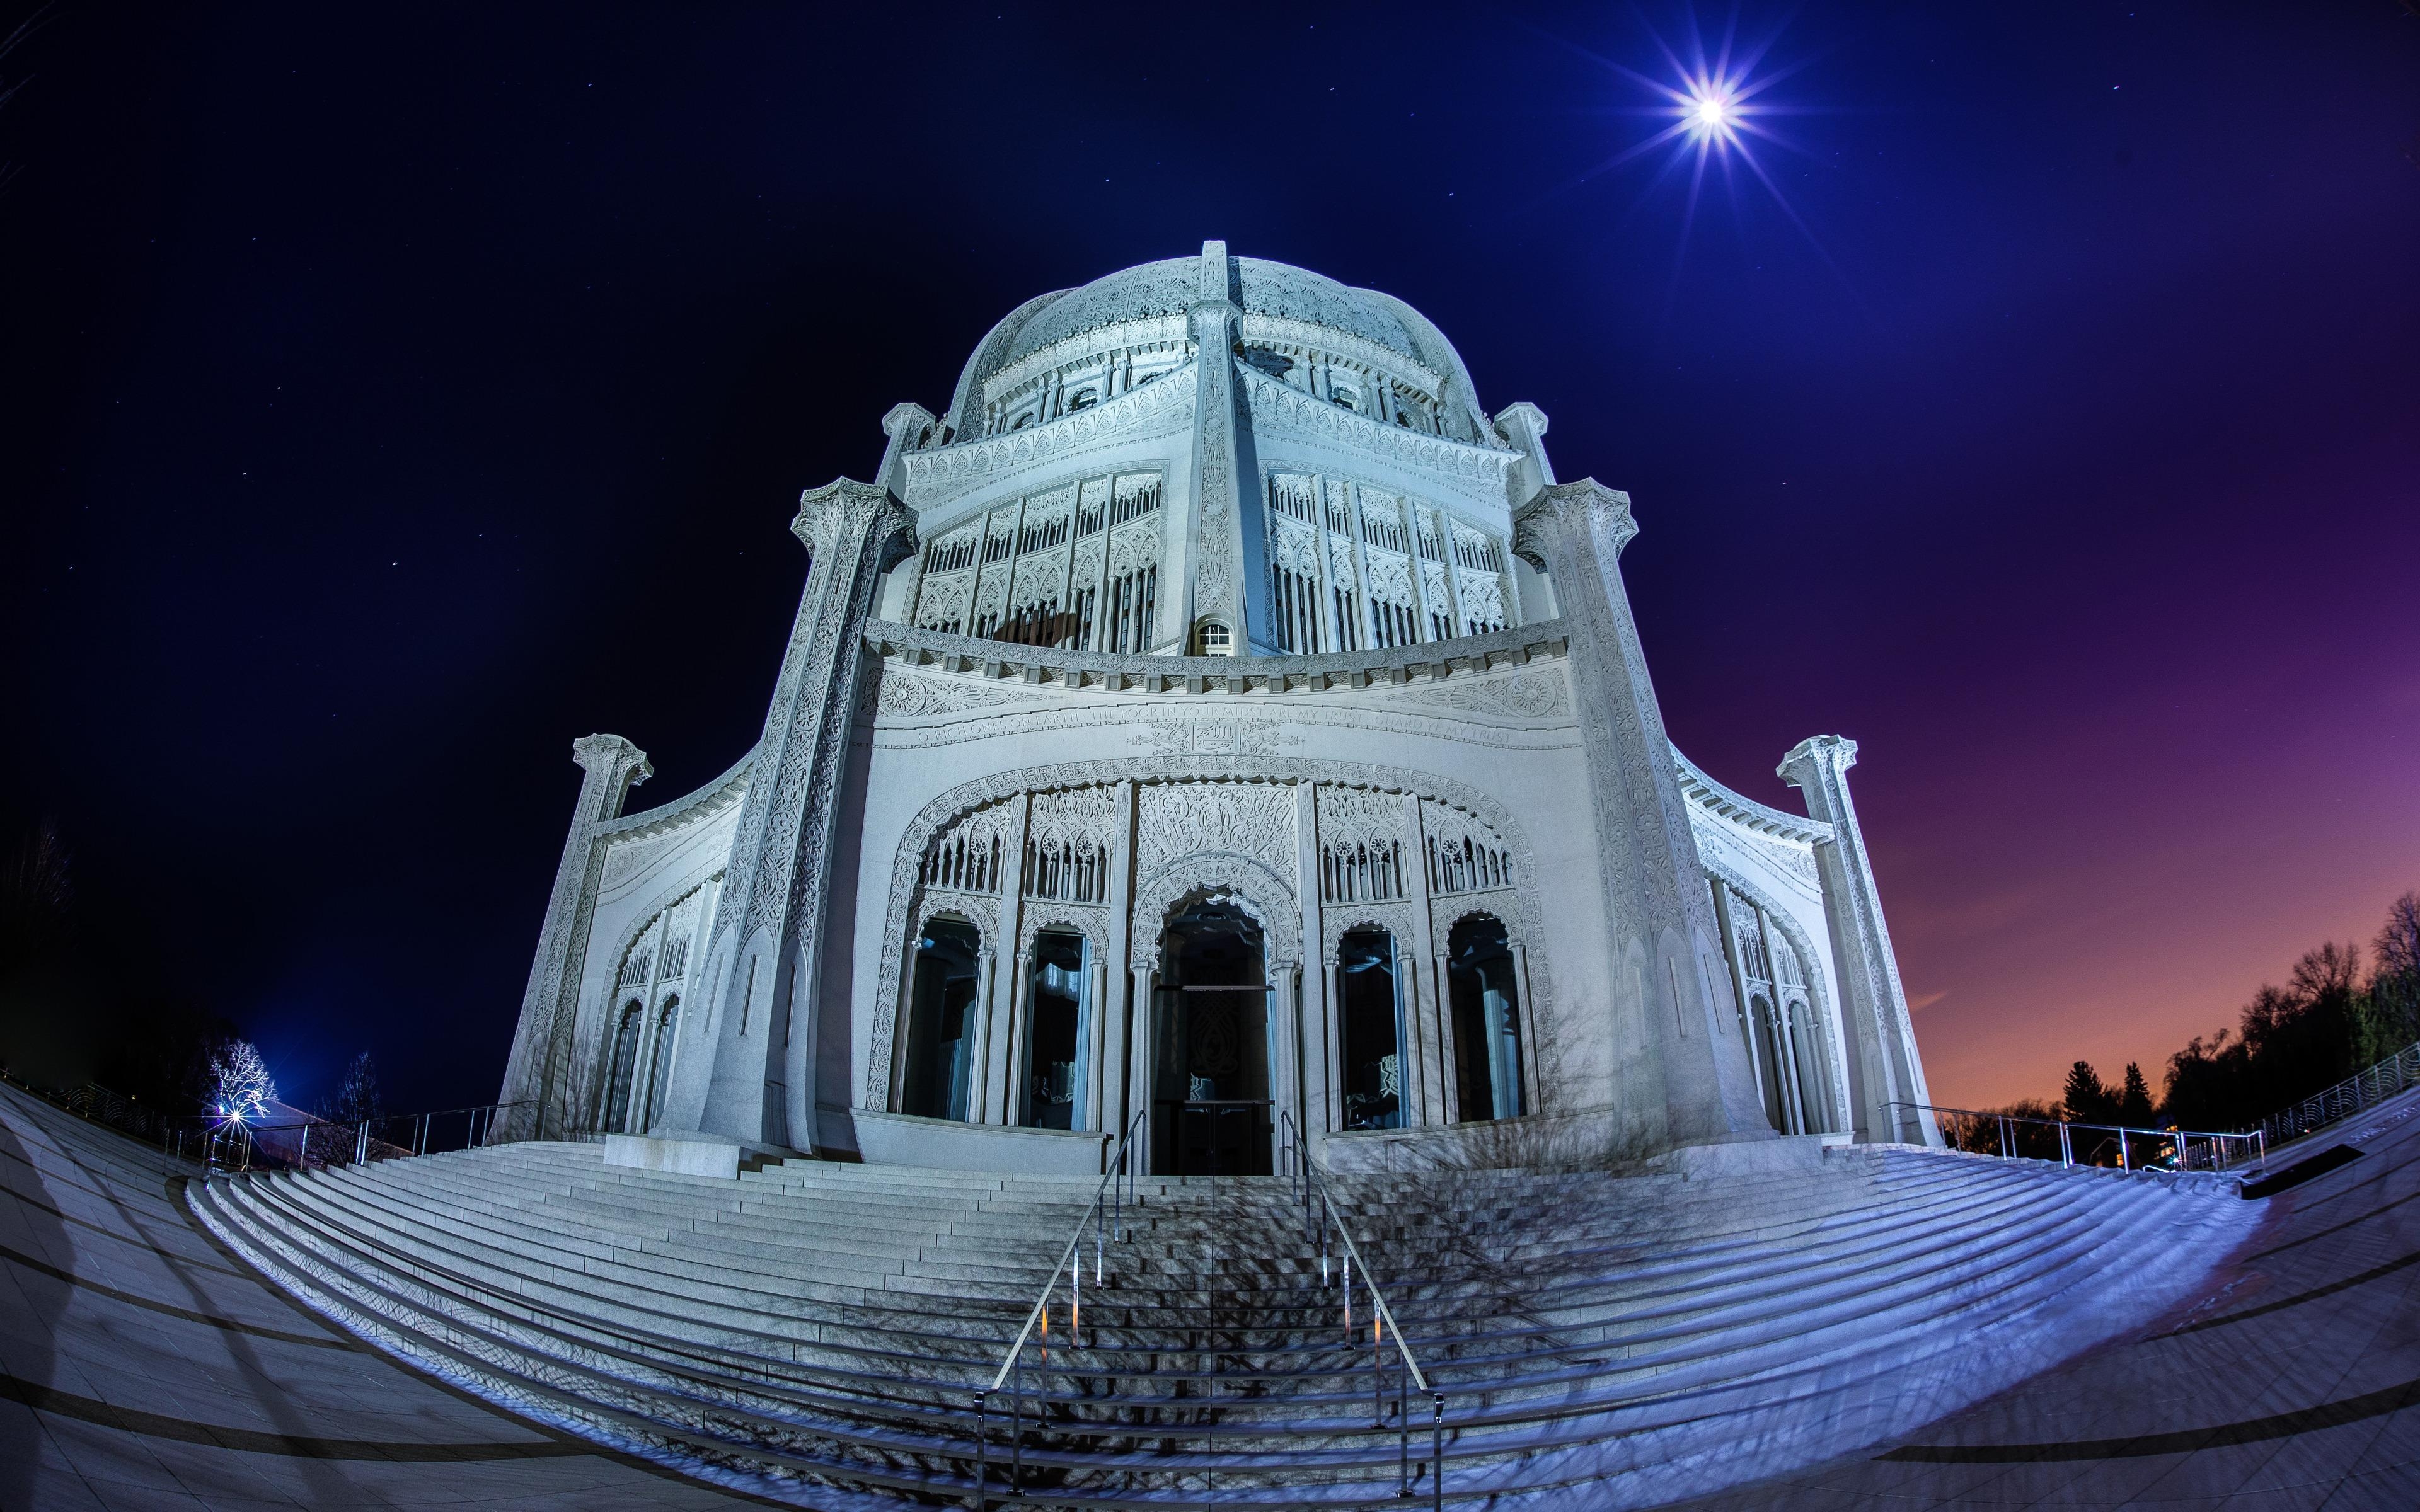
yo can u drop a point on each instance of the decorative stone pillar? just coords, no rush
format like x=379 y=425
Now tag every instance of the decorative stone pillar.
x=1449 y=1076
x=1096 y=985
x=1282 y=1038
x=979 y=1053
x=1145 y=1066
x=1020 y=1021
x=902 y=425
x=1229 y=577
x=1532 y=1083
x=538 y=1073
x=765 y=968
x=1885 y=1075
x=1652 y=885
x=1332 y=1095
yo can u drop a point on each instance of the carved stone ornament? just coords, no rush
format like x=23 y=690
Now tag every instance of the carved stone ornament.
x=1254 y=820
x=1149 y=410
x=1524 y=695
x=896 y=694
x=976 y=908
x=1217 y=737
x=1092 y=921
x=1280 y=407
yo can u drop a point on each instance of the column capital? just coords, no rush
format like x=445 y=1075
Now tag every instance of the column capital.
x=906 y=419
x=615 y=767
x=1521 y=416
x=603 y=752
x=1811 y=758
x=845 y=508
x=1568 y=509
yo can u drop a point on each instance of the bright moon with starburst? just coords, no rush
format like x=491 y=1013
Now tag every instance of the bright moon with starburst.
x=1716 y=116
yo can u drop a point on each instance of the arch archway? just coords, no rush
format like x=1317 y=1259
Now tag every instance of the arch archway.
x=1212 y=1042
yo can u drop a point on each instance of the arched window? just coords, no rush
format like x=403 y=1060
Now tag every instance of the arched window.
x=1812 y=1056
x=615 y=1113
x=1786 y=1036
x=1487 y=996
x=1776 y=1079
x=1212 y=637
x=1056 y=1011
x=1371 y=1017
x=659 y=1059
x=941 y=1021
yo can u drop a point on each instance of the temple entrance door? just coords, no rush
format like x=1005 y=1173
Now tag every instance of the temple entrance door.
x=1210 y=1080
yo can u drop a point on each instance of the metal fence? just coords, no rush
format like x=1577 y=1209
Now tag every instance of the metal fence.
x=2355 y=1094
x=2013 y=1137
x=304 y=1143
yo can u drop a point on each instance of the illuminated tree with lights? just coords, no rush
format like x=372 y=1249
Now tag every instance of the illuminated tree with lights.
x=242 y=1089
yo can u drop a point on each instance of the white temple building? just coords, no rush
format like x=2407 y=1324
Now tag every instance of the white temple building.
x=1213 y=724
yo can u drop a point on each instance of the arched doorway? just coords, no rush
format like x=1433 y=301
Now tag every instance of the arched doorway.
x=942 y=1021
x=1486 y=998
x=1210 y=1073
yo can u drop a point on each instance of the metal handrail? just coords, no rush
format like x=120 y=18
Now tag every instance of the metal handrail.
x=1308 y=1181
x=2356 y=1093
x=1042 y=1303
x=356 y=1137
x=1108 y=1189
x=2179 y=1138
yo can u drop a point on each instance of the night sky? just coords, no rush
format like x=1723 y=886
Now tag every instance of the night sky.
x=391 y=401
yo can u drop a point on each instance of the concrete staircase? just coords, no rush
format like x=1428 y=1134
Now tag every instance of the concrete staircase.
x=818 y=1332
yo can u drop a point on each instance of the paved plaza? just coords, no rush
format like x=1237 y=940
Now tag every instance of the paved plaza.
x=143 y=1368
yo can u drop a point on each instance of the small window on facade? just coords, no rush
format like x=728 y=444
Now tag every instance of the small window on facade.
x=1213 y=639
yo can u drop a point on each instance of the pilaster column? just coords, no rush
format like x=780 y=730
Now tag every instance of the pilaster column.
x=765 y=969
x=1652 y=887
x=1229 y=577
x=1533 y=1091
x=979 y=1053
x=1096 y=986
x=1448 y=1075
x=1332 y=1095
x=1117 y=1078
x=902 y=425
x=1020 y=1021
x=539 y=1073
x=1884 y=1066
x=1146 y=1053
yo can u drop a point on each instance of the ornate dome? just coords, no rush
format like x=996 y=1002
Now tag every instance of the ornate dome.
x=1167 y=286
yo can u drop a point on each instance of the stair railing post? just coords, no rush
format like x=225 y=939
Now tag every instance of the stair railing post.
x=1436 y=1452
x=983 y=1452
x=1403 y=1430
x=1377 y=1366
x=1017 y=1424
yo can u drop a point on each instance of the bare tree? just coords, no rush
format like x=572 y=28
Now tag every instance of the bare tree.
x=241 y=1085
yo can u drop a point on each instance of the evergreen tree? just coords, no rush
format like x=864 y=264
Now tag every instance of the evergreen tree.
x=2135 y=1109
x=2084 y=1098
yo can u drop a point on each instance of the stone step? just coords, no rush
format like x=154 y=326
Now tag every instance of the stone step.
x=695 y=1321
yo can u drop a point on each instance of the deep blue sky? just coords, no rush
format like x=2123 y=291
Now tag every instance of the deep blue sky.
x=392 y=399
